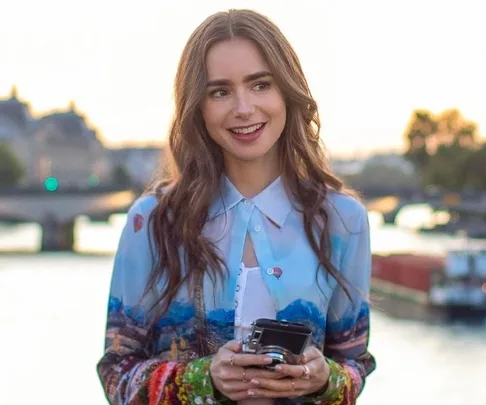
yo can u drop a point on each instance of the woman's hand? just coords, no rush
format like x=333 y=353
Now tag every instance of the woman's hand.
x=308 y=377
x=230 y=374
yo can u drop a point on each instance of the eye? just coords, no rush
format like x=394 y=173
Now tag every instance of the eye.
x=218 y=93
x=260 y=86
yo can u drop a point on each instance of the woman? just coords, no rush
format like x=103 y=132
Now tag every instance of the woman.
x=248 y=223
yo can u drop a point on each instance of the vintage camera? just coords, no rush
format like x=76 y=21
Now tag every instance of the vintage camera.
x=283 y=341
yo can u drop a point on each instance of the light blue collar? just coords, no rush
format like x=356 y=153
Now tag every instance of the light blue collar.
x=273 y=201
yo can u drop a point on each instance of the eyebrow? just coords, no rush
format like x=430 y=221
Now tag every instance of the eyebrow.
x=248 y=78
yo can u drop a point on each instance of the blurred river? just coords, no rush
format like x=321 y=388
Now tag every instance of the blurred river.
x=53 y=317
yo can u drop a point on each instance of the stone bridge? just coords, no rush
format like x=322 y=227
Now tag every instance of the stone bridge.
x=56 y=212
x=469 y=207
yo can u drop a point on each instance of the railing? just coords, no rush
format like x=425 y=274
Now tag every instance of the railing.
x=36 y=191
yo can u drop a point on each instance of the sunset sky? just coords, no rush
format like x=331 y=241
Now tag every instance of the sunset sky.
x=369 y=63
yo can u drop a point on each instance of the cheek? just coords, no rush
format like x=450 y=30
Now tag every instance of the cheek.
x=277 y=107
x=280 y=116
x=214 y=117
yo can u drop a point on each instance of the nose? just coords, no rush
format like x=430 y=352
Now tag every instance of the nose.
x=244 y=108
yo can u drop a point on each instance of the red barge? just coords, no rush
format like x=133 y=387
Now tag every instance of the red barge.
x=451 y=282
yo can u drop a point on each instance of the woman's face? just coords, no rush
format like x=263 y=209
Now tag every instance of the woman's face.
x=243 y=108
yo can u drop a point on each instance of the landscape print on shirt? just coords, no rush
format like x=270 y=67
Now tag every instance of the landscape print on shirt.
x=221 y=322
x=306 y=312
x=176 y=330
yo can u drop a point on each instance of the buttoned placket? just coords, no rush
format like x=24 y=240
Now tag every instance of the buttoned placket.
x=243 y=214
x=264 y=255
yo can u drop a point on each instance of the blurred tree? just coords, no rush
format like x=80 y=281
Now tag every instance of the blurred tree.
x=453 y=128
x=11 y=168
x=476 y=169
x=421 y=127
x=121 y=177
x=441 y=148
x=382 y=177
x=447 y=168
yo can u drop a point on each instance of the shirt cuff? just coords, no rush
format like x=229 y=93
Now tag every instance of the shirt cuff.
x=333 y=388
x=199 y=385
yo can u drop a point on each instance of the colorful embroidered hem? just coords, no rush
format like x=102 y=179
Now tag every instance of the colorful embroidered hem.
x=197 y=382
x=340 y=388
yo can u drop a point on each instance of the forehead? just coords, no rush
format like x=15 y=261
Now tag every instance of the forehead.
x=234 y=59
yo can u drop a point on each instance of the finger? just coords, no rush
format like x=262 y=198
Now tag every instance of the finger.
x=310 y=353
x=246 y=373
x=233 y=386
x=234 y=374
x=261 y=393
x=253 y=372
x=295 y=371
x=233 y=345
x=247 y=360
x=284 y=385
x=237 y=396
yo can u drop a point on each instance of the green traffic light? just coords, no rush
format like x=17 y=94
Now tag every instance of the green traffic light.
x=51 y=184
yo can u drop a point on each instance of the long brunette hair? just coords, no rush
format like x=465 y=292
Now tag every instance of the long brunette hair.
x=196 y=165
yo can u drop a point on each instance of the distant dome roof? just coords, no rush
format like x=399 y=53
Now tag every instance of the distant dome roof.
x=15 y=110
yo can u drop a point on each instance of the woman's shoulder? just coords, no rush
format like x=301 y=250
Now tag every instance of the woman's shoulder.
x=346 y=212
x=143 y=205
x=148 y=201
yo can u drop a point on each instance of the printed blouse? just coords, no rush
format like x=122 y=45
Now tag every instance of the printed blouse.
x=169 y=362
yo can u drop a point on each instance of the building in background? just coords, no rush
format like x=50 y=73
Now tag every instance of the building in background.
x=16 y=127
x=355 y=166
x=140 y=164
x=60 y=145
x=347 y=167
x=66 y=148
x=380 y=174
x=393 y=160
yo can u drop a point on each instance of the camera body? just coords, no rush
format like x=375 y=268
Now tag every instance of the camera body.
x=283 y=341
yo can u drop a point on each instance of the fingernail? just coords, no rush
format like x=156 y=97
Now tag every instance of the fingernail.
x=251 y=393
x=255 y=382
x=268 y=360
x=278 y=368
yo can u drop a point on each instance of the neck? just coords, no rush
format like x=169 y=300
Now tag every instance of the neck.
x=252 y=177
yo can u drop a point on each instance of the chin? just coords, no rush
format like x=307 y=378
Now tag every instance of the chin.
x=247 y=153
x=246 y=157
x=250 y=155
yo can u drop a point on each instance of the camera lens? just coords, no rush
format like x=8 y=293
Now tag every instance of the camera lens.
x=278 y=354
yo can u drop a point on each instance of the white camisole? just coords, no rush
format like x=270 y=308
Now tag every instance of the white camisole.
x=252 y=300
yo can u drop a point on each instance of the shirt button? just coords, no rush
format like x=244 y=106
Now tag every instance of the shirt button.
x=247 y=203
x=270 y=271
x=257 y=228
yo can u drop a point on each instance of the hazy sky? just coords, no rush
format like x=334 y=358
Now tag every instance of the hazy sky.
x=369 y=63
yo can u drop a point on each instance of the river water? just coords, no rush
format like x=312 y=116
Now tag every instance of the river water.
x=53 y=309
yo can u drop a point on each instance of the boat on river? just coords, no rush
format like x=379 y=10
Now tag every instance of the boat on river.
x=453 y=283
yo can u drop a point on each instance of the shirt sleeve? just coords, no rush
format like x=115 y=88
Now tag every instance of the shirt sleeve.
x=128 y=371
x=347 y=328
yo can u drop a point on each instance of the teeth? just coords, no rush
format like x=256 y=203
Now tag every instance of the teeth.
x=248 y=130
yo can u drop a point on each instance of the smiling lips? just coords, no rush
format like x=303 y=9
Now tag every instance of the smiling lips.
x=247 y=135
x=246 y=130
